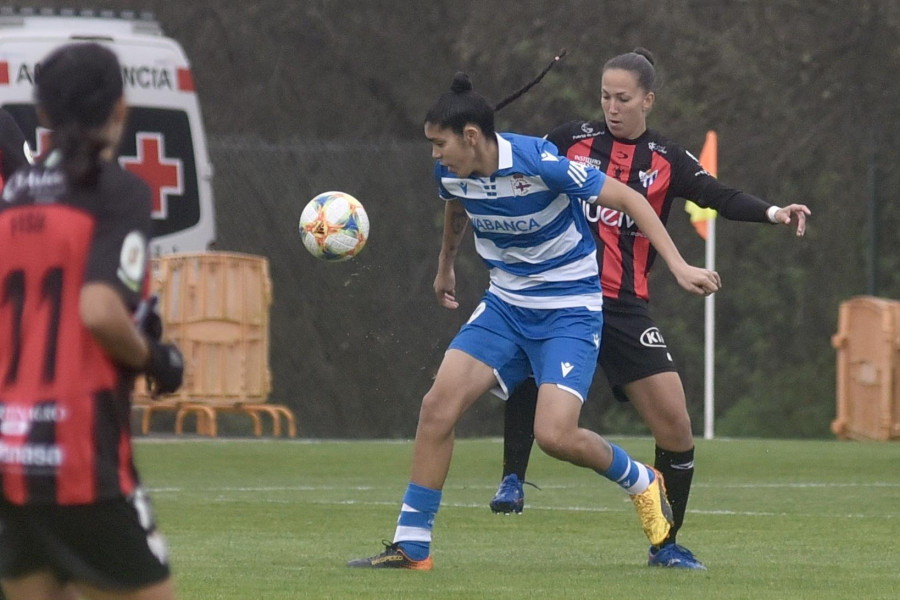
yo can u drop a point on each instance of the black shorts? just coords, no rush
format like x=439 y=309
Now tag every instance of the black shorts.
x=631 y=347
x=112 y=544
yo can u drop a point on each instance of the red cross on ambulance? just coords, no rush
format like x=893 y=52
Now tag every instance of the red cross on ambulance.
x=164 y=175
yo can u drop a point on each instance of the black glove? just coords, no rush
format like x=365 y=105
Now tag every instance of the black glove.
x=147 y=319
x=165 y=367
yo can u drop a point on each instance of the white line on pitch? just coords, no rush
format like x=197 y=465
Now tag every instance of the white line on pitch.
x=366 y=488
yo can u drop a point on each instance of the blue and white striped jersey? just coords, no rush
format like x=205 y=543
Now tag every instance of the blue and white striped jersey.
x=529 y=226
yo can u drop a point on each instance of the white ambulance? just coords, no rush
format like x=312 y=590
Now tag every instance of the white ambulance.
x=164 y=142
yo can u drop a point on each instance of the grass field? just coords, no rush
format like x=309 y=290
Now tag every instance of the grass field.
x=276 y=519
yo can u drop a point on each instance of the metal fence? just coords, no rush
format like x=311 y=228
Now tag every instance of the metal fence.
x=354 y=345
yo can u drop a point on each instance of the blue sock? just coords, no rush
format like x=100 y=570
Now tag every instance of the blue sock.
x=416 y=520
x=631 y=475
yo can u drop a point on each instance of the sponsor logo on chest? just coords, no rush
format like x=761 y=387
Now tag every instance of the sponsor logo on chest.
x=494 y=224
x=588 y=160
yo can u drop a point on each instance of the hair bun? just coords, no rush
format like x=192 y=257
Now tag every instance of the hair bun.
x=461 y=83
x=646 y=54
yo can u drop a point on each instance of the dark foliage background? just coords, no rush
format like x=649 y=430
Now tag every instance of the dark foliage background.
x=304 y=96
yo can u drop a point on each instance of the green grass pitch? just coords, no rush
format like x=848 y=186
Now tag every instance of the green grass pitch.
x=275 y=519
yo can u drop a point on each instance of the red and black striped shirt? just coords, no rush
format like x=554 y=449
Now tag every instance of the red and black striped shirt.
x=661 y=171
x=64 y=405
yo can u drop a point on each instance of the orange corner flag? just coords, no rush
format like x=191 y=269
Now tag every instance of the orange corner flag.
x=709 y=160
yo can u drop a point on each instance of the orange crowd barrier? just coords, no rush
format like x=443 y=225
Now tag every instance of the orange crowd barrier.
x=215 y=307
x=868 y=369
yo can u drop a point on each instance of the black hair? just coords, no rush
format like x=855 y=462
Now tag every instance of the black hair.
x=515 y=95
x=77 y=87
x=640 y=61
x=462 y=104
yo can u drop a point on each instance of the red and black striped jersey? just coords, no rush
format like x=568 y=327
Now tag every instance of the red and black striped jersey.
x=661 y=171
x=64 y=405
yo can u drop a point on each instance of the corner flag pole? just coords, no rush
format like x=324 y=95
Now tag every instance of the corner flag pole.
x=704 y=221
x=709 y=161
x=709 y=342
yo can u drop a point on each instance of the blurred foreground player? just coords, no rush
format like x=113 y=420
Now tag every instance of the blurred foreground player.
x=73 y=232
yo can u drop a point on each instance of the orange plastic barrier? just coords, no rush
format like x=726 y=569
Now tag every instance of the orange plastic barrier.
x=868 y=369
x=215 y=306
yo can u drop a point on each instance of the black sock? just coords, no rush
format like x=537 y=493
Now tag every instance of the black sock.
x=518 y=428
x=677 y=469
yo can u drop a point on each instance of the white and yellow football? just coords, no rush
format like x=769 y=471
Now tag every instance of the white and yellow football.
x=334 y=226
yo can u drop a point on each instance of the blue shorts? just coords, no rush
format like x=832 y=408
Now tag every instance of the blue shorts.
x=557 y=345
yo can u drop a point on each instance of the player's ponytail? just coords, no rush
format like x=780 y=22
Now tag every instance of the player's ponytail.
x=80 y=150
x=76 y=90
x=515 y=95
x=462 y=104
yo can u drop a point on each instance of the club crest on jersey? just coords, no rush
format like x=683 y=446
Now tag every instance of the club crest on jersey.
x=133 y=260
x=520 y=185
x=648 y=177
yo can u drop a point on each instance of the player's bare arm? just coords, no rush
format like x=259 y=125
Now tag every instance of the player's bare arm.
x=455 y=222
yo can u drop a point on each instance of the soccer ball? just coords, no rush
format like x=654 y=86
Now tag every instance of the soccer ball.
x=334 y=226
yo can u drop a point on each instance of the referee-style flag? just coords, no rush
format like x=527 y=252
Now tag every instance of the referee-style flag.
x=709 y=159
